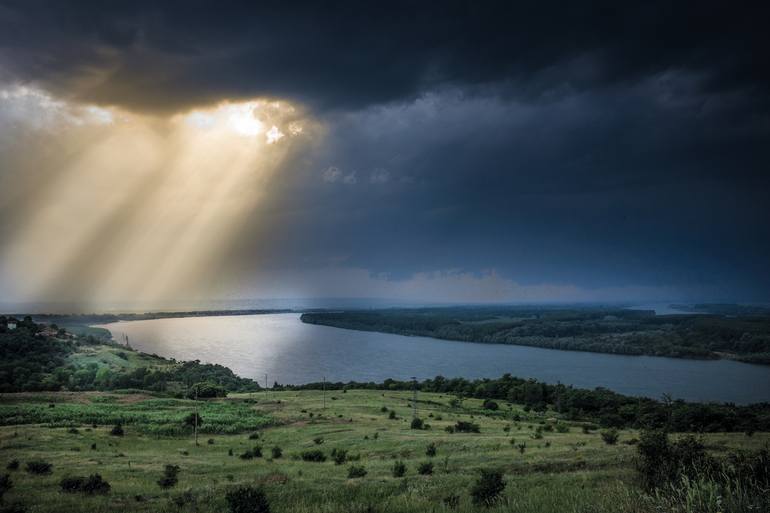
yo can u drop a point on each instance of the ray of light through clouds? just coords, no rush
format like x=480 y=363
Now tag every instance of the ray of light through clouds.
x=132 y=207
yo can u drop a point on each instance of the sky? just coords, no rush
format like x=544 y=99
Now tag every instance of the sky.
x=466 y=152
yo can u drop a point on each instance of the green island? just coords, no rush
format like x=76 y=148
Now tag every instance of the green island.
x=725 y=331
x=90 y=425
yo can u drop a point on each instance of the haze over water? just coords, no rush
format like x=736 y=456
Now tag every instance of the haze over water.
x=291 y=352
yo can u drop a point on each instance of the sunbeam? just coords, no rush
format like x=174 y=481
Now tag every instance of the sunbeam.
x=142 y=210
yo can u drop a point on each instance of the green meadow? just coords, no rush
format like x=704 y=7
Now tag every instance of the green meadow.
x=548 y=464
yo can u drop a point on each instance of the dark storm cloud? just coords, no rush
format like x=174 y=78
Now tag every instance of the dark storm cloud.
x=609 y=144
x=598 y=189
x=170 y=55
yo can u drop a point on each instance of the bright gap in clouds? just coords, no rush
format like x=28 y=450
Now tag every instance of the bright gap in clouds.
x=133 y=207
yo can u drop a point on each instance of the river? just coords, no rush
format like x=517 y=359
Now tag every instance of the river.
x=291 y=352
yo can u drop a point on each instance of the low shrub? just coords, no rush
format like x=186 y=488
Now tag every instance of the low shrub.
x=117 y=430
x=39 y=467
x=430 y=451
x=210 y=441
x=256 y=452
x=170 y=477
x=610 y=436
x=464 y=426
x=399 y=469
x=13 y=465
x=490 y=405
x=91 y=485
x=451 y=501
x=339 y=456
x=562 y=427
x=449 y=429
x=425 y=469
x=355 y=471
x=315 y=455
x=276 y=452
x=5 y=484
x=392 y=414
x=254 y=436
x=416 y=423
x=488 y=488
x=318 y=440
x=247 y=499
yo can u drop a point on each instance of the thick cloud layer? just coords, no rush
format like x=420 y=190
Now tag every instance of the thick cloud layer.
x=171 y=55
x=471 y=151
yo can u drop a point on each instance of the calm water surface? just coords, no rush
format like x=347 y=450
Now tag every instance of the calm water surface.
x=292 y=352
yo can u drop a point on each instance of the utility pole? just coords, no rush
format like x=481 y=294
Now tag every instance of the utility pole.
x=196 y=416
x=414 y=397
x=323 y=388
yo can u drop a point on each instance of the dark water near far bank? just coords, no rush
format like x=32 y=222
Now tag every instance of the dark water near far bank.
x=289 y=351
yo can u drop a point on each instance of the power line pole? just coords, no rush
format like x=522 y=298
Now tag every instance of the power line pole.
x=414 y=397
x=196 y=415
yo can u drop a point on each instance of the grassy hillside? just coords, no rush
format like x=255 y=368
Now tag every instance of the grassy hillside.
x=561 y=469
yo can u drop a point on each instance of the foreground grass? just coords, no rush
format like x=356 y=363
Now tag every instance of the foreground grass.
x=562 y=472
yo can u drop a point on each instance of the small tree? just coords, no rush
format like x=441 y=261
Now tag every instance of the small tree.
x=488 y=488
x=392 y=415
x=206 y=390
x=416 y=423
x=399 y=469
x=247 y=499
